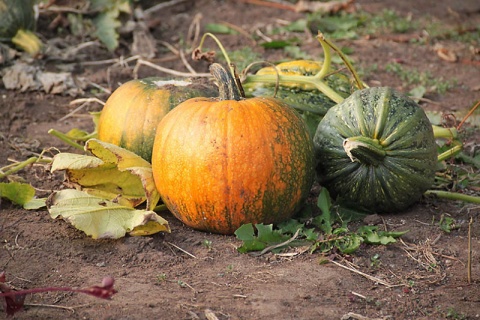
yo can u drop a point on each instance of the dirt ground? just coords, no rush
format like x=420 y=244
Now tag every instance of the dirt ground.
x=156 y=280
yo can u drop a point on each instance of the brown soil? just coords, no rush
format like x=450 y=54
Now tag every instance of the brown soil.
x=155 y=280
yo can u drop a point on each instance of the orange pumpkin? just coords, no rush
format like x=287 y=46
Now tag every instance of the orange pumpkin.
x=220 y=163
x=131 y=114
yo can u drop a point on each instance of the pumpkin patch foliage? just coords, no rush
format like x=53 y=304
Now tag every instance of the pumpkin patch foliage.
x=324 y=232
x=232 y=164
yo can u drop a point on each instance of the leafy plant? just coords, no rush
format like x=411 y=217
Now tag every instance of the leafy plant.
x=388 y=21
x=447 y=224
x=22 y=194
x=420 y=78
x=264 y=236
x=339 y=26
x=107 y=20
x=452 y=313
x=375 y=260
x=325 y=232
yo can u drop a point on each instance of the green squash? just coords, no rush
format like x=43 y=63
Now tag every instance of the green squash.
x=310 y=102
x=15 y=15
x=17 y=22
x=376 y=150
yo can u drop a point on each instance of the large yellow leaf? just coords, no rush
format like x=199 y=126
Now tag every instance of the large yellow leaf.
x=112 y=173
x=100 y=218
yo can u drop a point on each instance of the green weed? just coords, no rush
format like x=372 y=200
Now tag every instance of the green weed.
x=423 y=78
x=325 y=232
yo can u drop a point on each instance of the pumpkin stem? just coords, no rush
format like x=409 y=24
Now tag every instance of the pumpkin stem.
x=228 y=87
x=364 y=150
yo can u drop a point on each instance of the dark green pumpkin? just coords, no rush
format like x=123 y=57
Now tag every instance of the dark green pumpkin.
x=15 y=15
x=301 y=96
x=310 y=102
x=17 y=23
x=376 y=150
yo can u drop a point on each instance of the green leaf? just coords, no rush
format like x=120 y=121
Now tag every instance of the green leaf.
x=106 y=24
x=310 y=234
x=324 y=221
x=100 y=218
x=219 y=28
x=246 y=233
x=265 y=237
x=276 y=44
x=77 y=134
x=349 y=214
x=417 y=93
x=296 y=53
x=18 y=193
x=371 y=235
x=290 y=226
x=349 y=244
x=299 y=25
x=336 y=26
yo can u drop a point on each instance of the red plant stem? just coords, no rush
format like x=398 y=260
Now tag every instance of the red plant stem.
x=98 y=292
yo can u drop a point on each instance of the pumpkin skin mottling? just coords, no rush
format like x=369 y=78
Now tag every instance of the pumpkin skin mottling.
x=402 y=130
x=131 y=114
x=219 y=164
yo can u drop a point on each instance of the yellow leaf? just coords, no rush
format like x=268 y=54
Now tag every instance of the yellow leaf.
x=111 y=153
x=101 y=218
x=112 y=173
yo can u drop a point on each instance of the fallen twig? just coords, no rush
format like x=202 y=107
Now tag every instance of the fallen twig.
x=369 y=277
x=72 y=309
x=469 y=259
x=357 y=316
x=84 y=102
x=161 y=6
x=184 y=251
x=141 y=62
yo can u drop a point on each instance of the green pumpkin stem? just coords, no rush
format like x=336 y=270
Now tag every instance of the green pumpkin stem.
x=228 y=87
x=364 y=150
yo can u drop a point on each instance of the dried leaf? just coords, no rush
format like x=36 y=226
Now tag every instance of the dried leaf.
x=25 y=77
x=322 y=7
x=112 y=173
x=101 y=218
x=208 y=56
x=143 y=42
x=446 y=54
